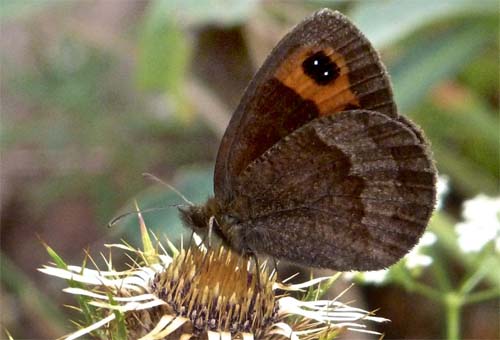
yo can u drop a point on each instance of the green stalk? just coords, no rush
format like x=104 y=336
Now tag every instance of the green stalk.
x=453 y=306
x=426 y=291
x=440 y=273
x=482 y=296
x=476 y=277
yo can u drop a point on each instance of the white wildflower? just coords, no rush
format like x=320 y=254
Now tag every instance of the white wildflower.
x=481 y=224
x=416 y=258
x=375 y=276
x=442 y=190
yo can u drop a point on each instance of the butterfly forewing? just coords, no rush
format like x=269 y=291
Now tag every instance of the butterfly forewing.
x=323 y=66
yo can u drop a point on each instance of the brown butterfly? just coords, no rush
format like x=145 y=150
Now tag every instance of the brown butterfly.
x=316 y=166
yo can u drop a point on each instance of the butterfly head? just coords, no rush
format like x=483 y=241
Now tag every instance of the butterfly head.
x=212 y=214
x=197 y=217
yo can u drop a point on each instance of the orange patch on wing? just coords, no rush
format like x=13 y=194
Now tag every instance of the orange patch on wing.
x=330 y=98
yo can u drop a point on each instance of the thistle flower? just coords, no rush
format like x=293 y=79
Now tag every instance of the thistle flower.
x=198 y=293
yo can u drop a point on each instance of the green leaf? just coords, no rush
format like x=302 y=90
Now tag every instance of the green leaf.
x=18 y=8
x=27 y=296
x=385 y=22
x=163 y=51
x=147 y=245
x=57 y=259
x=468 y=177
x=119 y=331
x=430 y=60
x=469 y=157
x=199 y=12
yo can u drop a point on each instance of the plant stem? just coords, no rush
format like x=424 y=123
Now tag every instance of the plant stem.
x=483 y=295
x=473 y=280
x=440 y=273
x=453 y=308
x=426 y=291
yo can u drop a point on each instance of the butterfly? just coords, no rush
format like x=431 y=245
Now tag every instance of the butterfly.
x=317 y=167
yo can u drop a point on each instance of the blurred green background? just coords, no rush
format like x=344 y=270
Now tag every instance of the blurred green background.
x=94 y=93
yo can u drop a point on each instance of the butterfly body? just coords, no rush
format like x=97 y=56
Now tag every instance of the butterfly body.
x=316 y=165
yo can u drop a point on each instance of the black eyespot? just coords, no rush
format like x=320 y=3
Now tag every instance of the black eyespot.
x=321 y=68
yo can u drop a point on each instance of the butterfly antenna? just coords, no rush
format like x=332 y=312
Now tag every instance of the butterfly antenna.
x=171 y=187
x=140 y=211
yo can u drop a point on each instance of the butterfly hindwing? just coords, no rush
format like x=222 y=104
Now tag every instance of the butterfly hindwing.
x=336 y=187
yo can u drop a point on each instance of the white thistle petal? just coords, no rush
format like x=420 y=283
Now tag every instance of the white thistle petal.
x=162 y=323
x=68 y=275
x=84 y=292
x=165 y=259
x=301 y=285
x=316 y=330
x=325 y=310
x=225 y=336
x=356 y=326
x=147 y=273
x=131 y=306
x=213 y=335
x=120 y=246
x=91 y=328
x=171 y=327
x=282 y=328
x=93 y=277
x=93 y=272
x=363 y=331
x=199 y=242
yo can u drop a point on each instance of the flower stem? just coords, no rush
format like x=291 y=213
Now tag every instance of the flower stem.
x=483 y=295
x=453 y=304
x=440 y=273
x=426 y=291
x=476 y=277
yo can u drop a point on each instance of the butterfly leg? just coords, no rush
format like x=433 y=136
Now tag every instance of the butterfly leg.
x=257 y=269
x=210 y=229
